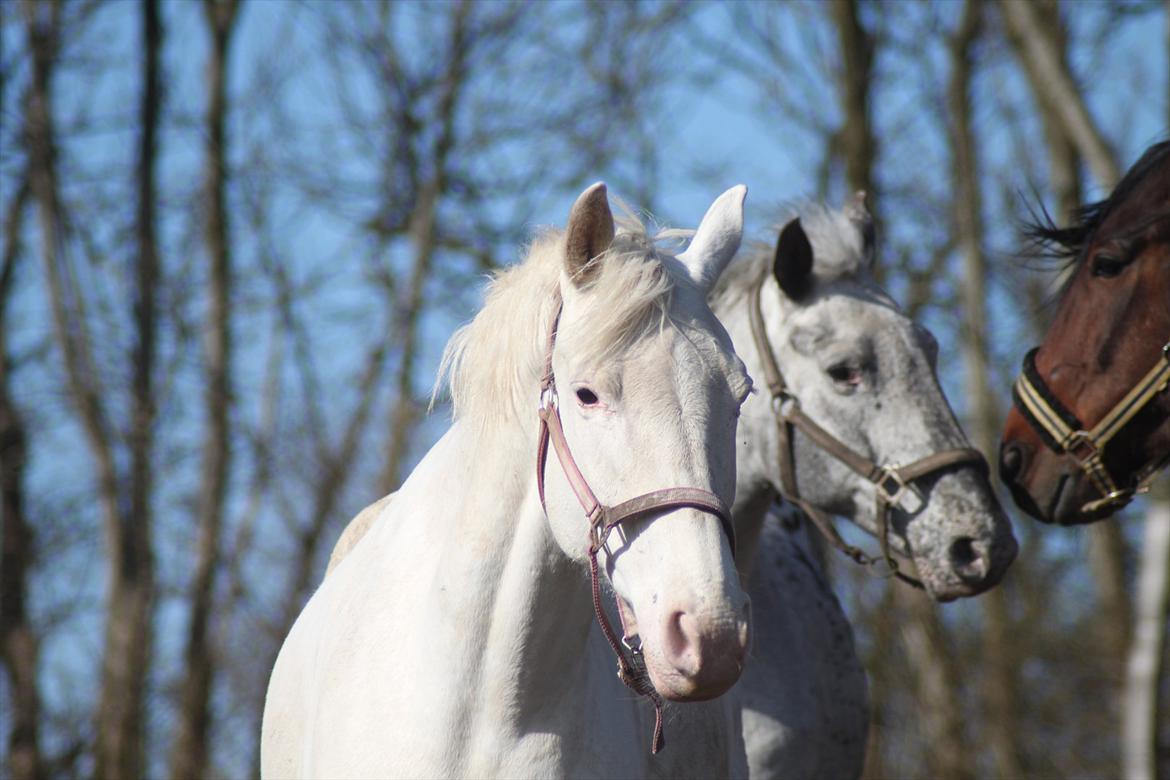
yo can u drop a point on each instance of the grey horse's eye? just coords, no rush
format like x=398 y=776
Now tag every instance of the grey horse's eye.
x=845 y=374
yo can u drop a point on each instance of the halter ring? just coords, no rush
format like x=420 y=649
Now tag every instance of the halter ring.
x=902 y=489
x=784 y=404
x=548 y=397
x=1119 y=497
x=882 y=568
x=1082 y=446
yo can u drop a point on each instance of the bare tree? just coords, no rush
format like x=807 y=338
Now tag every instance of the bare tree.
x=191 y=750
x=1000 y=690
x=1037 y=33
x=18 y=637
x=936 y=681
x=130 y=597
x=1052 y=81
x=855 y=141
x=1141 y=714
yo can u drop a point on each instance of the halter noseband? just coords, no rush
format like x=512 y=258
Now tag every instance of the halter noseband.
x=893 y=484
x=603 y=519
x=1063 y=433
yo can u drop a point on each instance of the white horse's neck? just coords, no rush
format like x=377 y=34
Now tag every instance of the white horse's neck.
x=525 y=610
x=518 y=609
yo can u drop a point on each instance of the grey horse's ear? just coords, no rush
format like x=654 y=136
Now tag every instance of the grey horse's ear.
x=793 y=261
x=859 y=215
x=589 y=233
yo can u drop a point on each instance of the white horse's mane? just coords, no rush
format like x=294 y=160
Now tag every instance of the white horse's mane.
x=837 y=243
x=493 y=364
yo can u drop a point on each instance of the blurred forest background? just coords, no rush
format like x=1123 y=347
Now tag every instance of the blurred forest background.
x=236 y=235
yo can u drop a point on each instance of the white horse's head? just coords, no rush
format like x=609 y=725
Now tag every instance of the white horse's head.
x=865 y=371
x=650 y=391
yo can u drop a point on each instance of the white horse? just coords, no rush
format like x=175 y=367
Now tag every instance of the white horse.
x=864 y=373
x=457 y=638
x=803 y=693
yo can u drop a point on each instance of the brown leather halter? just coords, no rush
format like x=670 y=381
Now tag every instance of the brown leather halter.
x=603 y=519
x=893 y=483
x=1064 y=433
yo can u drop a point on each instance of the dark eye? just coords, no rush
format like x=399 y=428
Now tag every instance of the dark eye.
x=586 y=396
x=1107 y=266
x=845 y=374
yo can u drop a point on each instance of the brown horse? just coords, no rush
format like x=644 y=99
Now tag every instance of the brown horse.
x=1091 y=422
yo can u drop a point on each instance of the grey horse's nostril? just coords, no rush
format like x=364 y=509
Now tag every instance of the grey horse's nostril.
x=962 y=552
x=968 y=558
x=1011 y=462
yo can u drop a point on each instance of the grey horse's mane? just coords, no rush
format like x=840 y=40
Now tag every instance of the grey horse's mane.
x=837 y=241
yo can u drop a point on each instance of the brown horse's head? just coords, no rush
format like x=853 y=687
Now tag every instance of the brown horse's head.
x=1108 y=334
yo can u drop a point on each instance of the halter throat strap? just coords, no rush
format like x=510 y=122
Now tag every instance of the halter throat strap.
x=893 y=484
x=1063 y=433
x=602 y=519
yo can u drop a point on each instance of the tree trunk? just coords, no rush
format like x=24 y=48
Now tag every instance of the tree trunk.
x=1139 y=714
x=1001 y=682
x=18 y=639
x=937 y=687
x=190 y=751
x=424 y=239
x=1053 y=84
x=858 y=147
x=130 y=598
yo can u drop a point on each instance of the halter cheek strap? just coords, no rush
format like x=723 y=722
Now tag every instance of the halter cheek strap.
x=602 y=519
x=893 y=484
x=1064 y=433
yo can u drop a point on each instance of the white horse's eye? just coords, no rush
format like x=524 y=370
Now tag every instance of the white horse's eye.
x=587 y=397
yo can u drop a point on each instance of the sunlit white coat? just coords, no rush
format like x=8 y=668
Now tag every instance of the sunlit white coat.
x=457 y=639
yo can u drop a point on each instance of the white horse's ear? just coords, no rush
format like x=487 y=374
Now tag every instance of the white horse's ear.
x=793 y=261
x=589 y=233
x=859 y=215
x=716 y=239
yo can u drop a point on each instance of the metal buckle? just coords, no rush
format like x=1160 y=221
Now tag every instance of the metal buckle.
x=1081 y=446
x=882 y=569
x=598 y=530
x=901 y=489
x=1118 y=497
x=548 y=397
x=784 y=403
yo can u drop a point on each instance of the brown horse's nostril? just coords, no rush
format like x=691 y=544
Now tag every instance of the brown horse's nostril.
x=1011 y=462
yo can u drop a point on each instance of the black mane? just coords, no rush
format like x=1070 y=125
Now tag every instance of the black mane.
x=1047 y=239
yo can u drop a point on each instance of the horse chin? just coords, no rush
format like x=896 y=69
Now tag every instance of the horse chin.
x=1073 y=493
x=673 y=685
x=705 y=670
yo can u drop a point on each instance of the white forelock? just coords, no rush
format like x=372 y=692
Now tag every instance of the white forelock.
x=493 y=364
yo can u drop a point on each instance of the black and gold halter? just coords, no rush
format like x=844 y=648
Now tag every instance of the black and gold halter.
x=1065 y=434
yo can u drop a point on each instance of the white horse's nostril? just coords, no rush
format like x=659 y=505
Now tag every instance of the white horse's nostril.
x=683 y=643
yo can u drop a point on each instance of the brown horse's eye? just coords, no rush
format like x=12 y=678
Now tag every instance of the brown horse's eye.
x=1107 y=266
